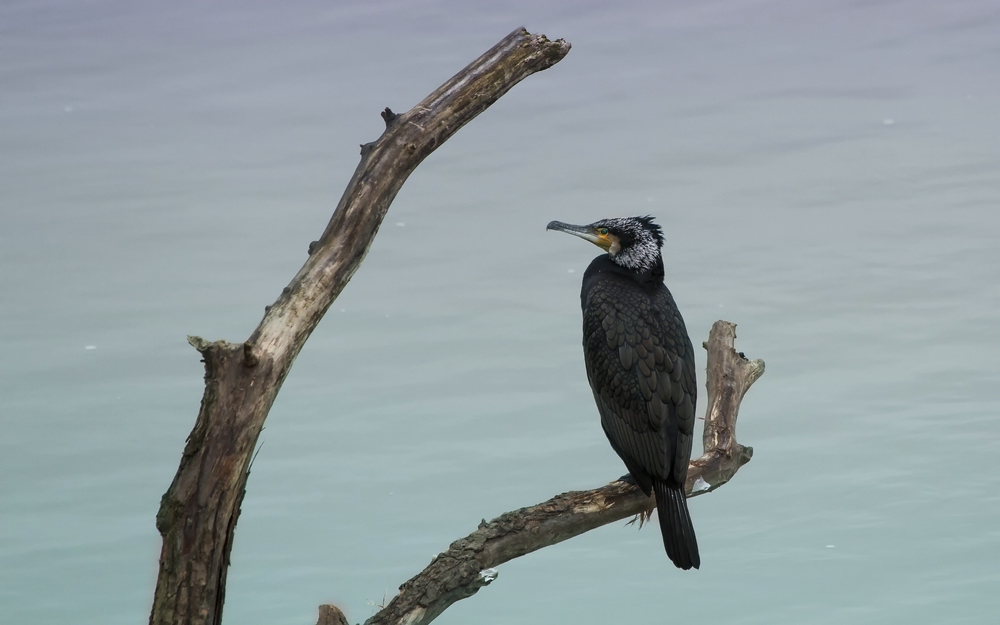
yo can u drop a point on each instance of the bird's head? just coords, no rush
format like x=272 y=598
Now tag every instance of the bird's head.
x=631 y=242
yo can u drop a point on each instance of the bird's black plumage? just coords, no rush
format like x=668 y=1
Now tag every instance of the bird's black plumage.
x=640 y=364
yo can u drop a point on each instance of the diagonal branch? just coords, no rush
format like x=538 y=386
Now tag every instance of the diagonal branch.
x=198 y=513
x=467 y=565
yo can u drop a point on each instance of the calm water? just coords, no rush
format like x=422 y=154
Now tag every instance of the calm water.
x=828 y=175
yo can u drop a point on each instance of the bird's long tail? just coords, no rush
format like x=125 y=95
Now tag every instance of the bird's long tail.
x=675 y=525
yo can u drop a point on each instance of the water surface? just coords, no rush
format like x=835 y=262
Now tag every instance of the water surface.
x=827 y=175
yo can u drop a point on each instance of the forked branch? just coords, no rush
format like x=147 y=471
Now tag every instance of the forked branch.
x=468 y=563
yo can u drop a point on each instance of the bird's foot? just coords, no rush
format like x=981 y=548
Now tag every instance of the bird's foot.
x=642 y=517
x=628 y=479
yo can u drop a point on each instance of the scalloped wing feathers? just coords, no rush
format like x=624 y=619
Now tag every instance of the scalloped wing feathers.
x=640 y=364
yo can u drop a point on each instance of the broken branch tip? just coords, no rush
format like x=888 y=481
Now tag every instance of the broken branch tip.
x=198 y=343
x=388 y=116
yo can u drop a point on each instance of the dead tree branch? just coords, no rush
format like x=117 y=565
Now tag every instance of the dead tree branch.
x=198 y=513
x=468 y=563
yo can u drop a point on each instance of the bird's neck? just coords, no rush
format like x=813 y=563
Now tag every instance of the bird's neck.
x=604 y=264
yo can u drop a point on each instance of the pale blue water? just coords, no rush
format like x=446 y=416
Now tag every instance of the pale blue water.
x=828 y=175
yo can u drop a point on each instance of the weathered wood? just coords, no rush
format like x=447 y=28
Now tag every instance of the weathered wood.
x=468 y=563
x=729 y=377
x=198 y=513
x=331 y=615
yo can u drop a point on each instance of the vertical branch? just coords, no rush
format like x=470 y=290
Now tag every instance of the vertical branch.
x=729 y=377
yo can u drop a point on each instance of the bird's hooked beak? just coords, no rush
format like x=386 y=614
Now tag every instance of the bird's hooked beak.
x=598 y=236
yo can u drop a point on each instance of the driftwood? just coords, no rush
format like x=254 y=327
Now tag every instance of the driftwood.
x=468 y=563
x=198 y=513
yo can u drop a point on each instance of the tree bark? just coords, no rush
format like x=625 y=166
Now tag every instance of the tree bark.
x=468 y=563
x=198 y=513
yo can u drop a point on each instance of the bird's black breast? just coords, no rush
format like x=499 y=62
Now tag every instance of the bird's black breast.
x=640 y=364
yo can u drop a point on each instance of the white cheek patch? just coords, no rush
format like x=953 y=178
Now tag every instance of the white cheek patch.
x=616 y=247
x=639 y=257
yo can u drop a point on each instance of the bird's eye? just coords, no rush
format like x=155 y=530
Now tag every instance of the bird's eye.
x=602 y=231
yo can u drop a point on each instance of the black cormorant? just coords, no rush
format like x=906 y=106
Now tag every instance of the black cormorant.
x=640 y=364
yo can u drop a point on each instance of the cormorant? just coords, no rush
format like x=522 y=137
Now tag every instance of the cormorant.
x=640 y=364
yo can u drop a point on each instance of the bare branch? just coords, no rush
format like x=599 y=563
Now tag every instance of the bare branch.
x=467 y=565
x=730 y=376
x=198 y=513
